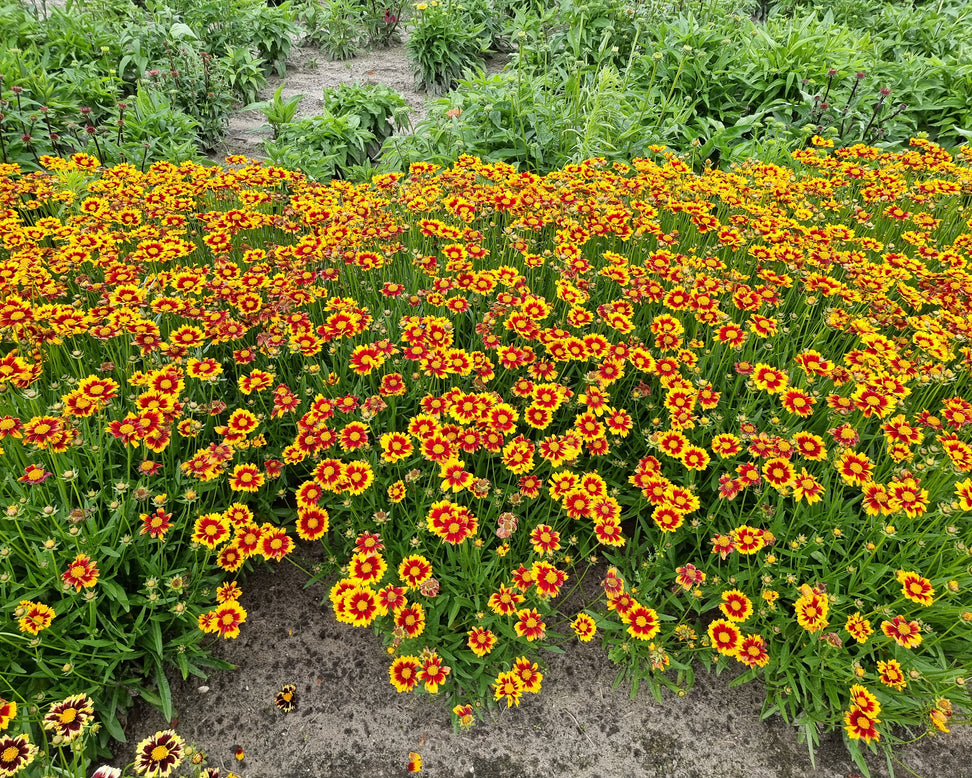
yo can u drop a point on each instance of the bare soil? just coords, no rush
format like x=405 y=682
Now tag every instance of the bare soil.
x=351 y=722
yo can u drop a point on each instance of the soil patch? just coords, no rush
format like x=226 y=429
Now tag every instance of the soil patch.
x=351 y=722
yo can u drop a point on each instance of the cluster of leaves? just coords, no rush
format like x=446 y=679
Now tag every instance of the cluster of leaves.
x=444 y=43
x=342 y=27
x=177 y=67
x=470 y=387
x=268 y=30
x=343 y=140
x=728 y=80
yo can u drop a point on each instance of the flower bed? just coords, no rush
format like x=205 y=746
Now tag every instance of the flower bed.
x=747 y=391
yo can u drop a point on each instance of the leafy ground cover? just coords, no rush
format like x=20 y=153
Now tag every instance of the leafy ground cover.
x=741 y=396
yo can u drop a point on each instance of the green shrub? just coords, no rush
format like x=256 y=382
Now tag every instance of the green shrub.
x=244 y=73
x=380 y=109
x=334 y=26
x=443 y=44
x=539 y=123
x=322 y=147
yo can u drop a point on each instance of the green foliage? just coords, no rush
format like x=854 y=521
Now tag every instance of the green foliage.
x=334 y=26
x=539 y=123
x=252 y=24
x=707 y=79
x=244 y=73
x=156 y=123
x=382 y=21
x=278 y=111
x=380 y=109
x=443 y=44
x=598 y=31
x=272 y=29
x=322 y=147
x=196 y=85
x=342 y=27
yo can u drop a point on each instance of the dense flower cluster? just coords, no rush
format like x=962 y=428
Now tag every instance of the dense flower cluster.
x=474 y=385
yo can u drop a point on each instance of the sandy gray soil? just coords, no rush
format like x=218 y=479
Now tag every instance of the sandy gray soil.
x=351 y=722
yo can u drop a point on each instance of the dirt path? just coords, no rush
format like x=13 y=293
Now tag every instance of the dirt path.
x=350 y=722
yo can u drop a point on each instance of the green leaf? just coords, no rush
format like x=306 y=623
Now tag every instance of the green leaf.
x=155 y=633
x=179 y=30
x=110 y=721
x=117 y=593
x=183 y=665
x=165 y=691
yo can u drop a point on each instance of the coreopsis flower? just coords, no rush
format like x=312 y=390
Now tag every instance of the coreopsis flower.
x=548 y=579
x=246 y=478
x=228 y=591
x=34 y=616
x=861 y=726
x=940 y=714
x=8 y=712
x=81 y=573
x=452 y=523
x=689 y=576
x=286 y=698
x=159 y=755
x=584 y=627
x=367 y=568
x=506 y=525
x=505 y=601
x=312 y=522
x=411 y=619
x=396 y=492
x=16 y=753
x=275 y=543
x=725 y=637
x=227 y=619
x=360 y=604
x=359 y=476
x=414 y=570
x=891 y=674
x=414 y=759
x=68 y=718
x=509 y=687
x=403 y=673
x=916 y=588
x=464 y=713
x=34 y=474
x=859 y=627
x=736 y=606
x=530 y=625
x=544 y=539
x=753 y=651
x=481 y=641
x=906 y=634
x=811 y=609
x=642 y=622
x=432 y=673
x=529 y=674
x=210 y=530
x=749 y=540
